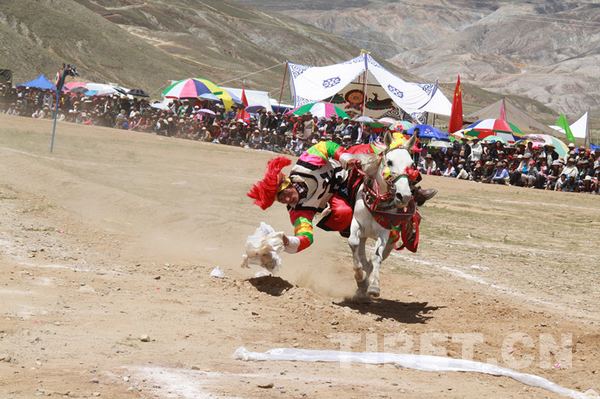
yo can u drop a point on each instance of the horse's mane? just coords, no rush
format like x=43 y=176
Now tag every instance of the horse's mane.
x=369 y=163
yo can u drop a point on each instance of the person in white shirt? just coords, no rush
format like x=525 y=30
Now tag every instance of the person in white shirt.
x=476 y=151
x=571 y=172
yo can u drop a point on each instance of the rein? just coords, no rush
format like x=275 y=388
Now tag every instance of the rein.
x=387 y=216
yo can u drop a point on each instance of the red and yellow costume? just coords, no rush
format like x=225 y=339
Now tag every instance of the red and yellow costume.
x=318 y=177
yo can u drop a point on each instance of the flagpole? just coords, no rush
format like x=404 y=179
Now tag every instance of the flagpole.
x=54 y=120
x=365 y=74
x=283 y=83
x=588 y=140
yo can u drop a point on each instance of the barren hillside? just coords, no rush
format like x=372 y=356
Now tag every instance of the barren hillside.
x=548 y=51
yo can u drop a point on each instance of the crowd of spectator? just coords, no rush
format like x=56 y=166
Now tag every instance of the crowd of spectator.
x=520 y=164
x=191 y=119
x=523 y=164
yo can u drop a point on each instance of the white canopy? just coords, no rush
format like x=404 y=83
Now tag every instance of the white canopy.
x=310 y=84
x=255 y=97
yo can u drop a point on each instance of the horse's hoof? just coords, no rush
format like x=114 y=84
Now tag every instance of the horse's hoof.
x=361 y=297
x=362 y=286
x=373 y=292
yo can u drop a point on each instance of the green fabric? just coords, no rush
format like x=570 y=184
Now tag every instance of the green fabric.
x=564 y=123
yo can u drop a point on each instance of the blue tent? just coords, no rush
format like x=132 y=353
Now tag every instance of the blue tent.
x=41 y=82
x=429 y=132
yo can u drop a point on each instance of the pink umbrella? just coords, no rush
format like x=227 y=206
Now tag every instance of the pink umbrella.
x=72 y=85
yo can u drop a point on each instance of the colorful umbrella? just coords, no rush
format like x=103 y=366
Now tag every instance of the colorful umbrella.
x=194 y=88
x=428 y=132
x=364 y=119
x=72 y=85
x=494 y=138
x=320 y=110
x=439 y=144
x=487 y=127
x=387 y=120
x=516 y=132
x=206 y=111
x=540 y=140
x=91 y=89
x=100 y=89
x=399 y=126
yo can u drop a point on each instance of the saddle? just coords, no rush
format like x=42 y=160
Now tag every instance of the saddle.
x=402 y=224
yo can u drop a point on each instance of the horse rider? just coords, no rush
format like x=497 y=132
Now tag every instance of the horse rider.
x=317 y=183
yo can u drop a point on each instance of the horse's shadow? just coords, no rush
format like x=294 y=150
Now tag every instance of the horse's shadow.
x=402 y=312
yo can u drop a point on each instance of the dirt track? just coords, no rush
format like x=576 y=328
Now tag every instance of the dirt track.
x=114 y=235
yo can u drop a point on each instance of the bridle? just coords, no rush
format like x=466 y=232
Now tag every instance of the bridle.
x=410 y=172
x=378 y=201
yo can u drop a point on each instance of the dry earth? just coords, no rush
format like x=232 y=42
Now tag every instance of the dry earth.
x=107 y=245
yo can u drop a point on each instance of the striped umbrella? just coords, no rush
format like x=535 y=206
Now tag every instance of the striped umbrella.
x=399 y=126
x=387 y=120
x=320 y=110
x=493 y=138
x=540 y=140
x=195 y=88
x=91 y=89
x=488 y=127
x=516 y=132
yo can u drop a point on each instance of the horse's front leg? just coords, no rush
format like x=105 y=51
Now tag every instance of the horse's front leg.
x=357 y=244
x=381 y=252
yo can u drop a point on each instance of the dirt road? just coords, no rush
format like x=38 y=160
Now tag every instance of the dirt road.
x=107 y=244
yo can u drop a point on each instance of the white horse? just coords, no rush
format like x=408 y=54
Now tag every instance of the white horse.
x=384 y=200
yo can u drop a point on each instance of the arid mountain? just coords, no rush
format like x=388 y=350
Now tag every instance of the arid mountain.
x=146 y=43
x=545 y=50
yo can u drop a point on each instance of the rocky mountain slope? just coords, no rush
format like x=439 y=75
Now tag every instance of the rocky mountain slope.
x=547 y=50
x=147 y=43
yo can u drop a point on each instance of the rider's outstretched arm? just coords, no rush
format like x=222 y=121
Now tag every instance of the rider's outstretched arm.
x=303 y=231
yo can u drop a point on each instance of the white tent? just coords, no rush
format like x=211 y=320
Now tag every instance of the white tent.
x=255 y=98
x=325 y=83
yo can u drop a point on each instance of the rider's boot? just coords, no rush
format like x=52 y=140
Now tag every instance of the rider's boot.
x=424 y=194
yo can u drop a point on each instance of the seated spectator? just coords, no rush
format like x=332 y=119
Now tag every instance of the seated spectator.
x=530 y=178
x=561 y=183
x=38 y=114
x=477 y=171
x=518 y=167
x=449 y=171
x=587 y=185
x=553 y=174
x=500 y=175
x=428 y=165
x=542 y=173
x=571 y=172
x=461 y=172
x=255 y=140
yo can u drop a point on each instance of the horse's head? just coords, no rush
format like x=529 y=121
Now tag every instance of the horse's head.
x=397 y=170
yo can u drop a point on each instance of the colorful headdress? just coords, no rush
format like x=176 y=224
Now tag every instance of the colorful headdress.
x=265 y=191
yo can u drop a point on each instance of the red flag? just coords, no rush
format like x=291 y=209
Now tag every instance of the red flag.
x=244 y=99
x=456 y=116
x=502 y=111
x=242 y=114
